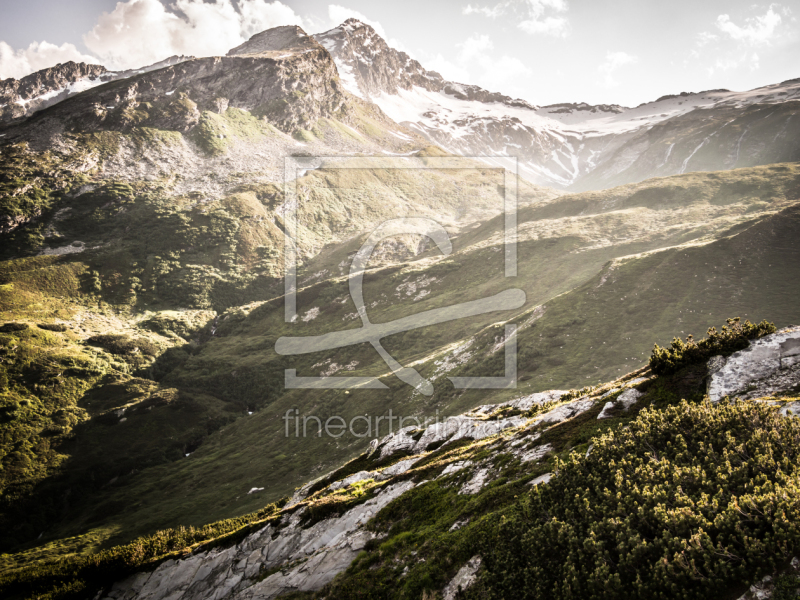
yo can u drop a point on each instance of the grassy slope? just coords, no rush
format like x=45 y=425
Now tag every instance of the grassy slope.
x=153 y=251
x=419 y=551
x=599 y=329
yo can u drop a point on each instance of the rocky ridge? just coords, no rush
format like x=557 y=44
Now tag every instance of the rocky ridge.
x=22 y=97
x=291 y=555
x=576 y=146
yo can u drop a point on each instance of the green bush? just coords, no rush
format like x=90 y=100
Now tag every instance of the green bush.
x=122 y=344
x=82 y=576
x=58 y=327
x=734 y=336
x=684 y=503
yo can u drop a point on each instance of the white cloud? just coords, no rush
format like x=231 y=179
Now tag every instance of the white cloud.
x=613 y=61
x=474 y=63
x=474 y=47
x=446 y=68
x=540 y=22
x=538 y=16
x=141 y=32
x=491 y=12
x=39 y=55
x=756 y=30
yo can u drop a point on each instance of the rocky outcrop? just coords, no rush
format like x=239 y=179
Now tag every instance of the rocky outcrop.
x=22 y=97
x=770 y=365
x=292 y=87
x=309 y=558
x=289 y=38
x=34 y=92
x=464 y=579
x=624 y=401
x=369 y=67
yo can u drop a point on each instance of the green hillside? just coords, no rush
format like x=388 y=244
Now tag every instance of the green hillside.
x=153 y=365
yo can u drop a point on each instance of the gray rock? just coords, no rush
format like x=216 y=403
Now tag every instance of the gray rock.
x=311 y=558
x=768 y=366
x=790 y=409
x=625 y=400
x=463 y=579
x=475 y=485
x=564 y=412
x=397 y=442
x=458 y=525
x=536 y=453
x=355 y=477
x=541 y=479
x=455 y=467
x=606 y=412
x=396 y=469
x=528 y=402
x=460 y=427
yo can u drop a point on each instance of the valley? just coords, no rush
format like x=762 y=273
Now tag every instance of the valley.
x=143 y=218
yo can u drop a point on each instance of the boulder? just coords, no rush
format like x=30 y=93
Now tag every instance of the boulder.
x=465 y=577
x=768 y=366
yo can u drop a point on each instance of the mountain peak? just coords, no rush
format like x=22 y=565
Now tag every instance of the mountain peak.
x=277 y=39
x=353 y=23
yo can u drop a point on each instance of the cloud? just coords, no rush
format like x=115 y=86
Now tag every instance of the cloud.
x=491 y=12
x=756 y=30
x=39 y=55
x=140 y=32
x=729 y=63
x=539 y=22
x=474 y=47
x=475 y=63
x=447 y=69
x=613 y=61
x=537 y=16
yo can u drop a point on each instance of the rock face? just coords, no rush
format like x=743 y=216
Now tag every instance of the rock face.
x=34 y=92
x=463 y=579
x=22 y=97
x=624 y=401
x=289 y=38
x=570 y=145
x=292 y=87
x=312 y=556
x=369 y=67
x=768 y=366
x=306 y=559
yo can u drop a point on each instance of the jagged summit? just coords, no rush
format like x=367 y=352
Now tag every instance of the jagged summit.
x=34 y=92
x=278 y=39
x=370 y=68
x=21 y=97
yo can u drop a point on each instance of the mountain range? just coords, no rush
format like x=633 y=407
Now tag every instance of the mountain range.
x=143 y=414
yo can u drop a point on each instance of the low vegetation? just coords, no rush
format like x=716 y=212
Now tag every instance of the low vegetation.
x=82 y=576
x=732 y=337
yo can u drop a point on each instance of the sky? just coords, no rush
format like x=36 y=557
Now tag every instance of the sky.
x=545 y=51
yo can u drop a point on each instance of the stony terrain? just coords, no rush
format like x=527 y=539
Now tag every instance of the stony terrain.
x=298 y=557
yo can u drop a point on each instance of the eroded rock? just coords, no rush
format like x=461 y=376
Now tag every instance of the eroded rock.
x=465 y=577
x=309 y=558
x=770 y=365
